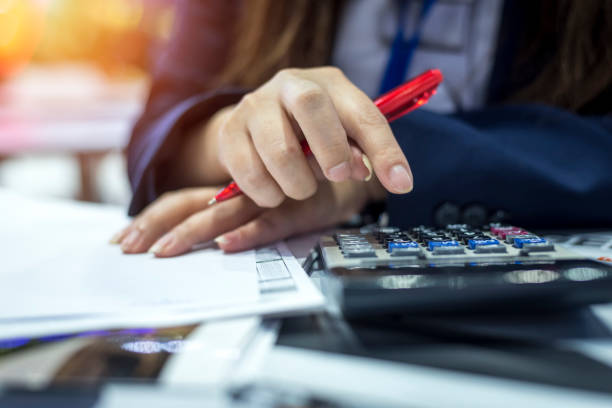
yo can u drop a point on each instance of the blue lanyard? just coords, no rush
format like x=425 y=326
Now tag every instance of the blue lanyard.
x=402 y=51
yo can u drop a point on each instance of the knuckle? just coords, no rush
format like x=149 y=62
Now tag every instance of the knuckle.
x=270 y=200
x=248 y=101
x=303 y=191
x=368 y=116
x=255 y=179
x=309 y=99
x=337 y=150
x=332 y=71
x=236 y=162
x=284 y=154
x=388 y=154
x=167 y=196
x=233 y=122
x=286 y=74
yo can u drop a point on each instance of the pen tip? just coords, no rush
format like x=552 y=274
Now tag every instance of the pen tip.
x=212 y=201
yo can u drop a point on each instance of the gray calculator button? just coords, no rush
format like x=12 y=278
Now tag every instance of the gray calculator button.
x=353 y=242
x=360 y=253
x=531 y=248
x=356 y=247
x=490 y=249
x=450 y=250
x=406 y=252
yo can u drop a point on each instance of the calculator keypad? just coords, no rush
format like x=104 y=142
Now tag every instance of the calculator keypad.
x=458 y=240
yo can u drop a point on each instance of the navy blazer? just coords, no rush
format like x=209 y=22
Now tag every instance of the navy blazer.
x=533 y=165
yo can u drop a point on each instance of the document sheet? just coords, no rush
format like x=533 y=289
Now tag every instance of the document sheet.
x=58 y=273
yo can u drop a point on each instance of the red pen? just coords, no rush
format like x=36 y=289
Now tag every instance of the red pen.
x=394 y=104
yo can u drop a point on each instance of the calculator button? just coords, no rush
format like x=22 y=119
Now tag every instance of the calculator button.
x=357 y=247
x=505 y=234
x=440 y=244
x=474 y=243
x=490 y=249
x=402 y=244
x=530 y=245
x=511 y=237
x=458 y=227
x=520 y=242
x=496 y=229
x=406 y=252
x=388 y=230
x=360 y=253
x=503 y=231
x=528 y=249
x=352 y=241
x=448 y=250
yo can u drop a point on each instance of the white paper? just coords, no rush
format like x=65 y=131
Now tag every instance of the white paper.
x=59 y=275
x=56 y=261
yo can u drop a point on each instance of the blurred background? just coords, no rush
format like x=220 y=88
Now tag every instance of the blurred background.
x=73 y=78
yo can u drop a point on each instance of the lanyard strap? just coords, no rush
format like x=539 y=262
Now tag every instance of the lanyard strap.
x=402 y=51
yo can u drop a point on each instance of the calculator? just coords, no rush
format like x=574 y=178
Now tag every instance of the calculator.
x=455 y=269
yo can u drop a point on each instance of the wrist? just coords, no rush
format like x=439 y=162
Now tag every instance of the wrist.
x=197 y=161
x=210 y=168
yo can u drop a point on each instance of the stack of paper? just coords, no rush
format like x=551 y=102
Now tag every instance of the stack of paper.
x=59 y=274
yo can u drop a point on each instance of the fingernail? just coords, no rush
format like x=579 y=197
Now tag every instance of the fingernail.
x=115 y=239
x=340 y=172
x=162 y=244
x=130 y=240
x=221 y=240
x=400 y=179
x=366 y=162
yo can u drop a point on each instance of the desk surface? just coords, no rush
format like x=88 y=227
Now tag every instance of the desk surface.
x=549 y=358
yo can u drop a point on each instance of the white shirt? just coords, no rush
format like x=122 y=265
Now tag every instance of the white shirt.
x=458 y=37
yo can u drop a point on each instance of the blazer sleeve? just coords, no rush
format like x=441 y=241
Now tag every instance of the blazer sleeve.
x=543 y=166
x=183 y=92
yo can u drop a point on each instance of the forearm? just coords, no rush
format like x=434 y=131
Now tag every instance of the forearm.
x=196 y=162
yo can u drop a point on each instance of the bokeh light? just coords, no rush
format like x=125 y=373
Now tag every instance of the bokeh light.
x=21 y=25
x=118 y=36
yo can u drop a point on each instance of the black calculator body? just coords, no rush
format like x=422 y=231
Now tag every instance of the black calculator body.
x=456 y=269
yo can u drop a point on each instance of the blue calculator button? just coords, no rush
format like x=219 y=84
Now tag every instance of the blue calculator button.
x=401 y=245
x=473 y=243
x=519 y=242
x=435 y=244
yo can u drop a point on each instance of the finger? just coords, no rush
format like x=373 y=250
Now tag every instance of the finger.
x=269 y=227
x=239 y=156
x=367 y=126
x=205 y=226
x=280 y=151
x=362 y=168
x=119 y=236
x=163 y=214
x=315 y=168
x=314 y=111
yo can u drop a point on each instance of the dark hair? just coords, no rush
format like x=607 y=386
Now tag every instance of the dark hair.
x=572 y=39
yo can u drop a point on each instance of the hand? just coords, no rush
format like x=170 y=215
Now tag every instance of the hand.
x=177 y=221
x=257 y=141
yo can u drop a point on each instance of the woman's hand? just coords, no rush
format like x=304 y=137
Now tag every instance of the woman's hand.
x=177 y=221
x=259 y=139
x=257 y=142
